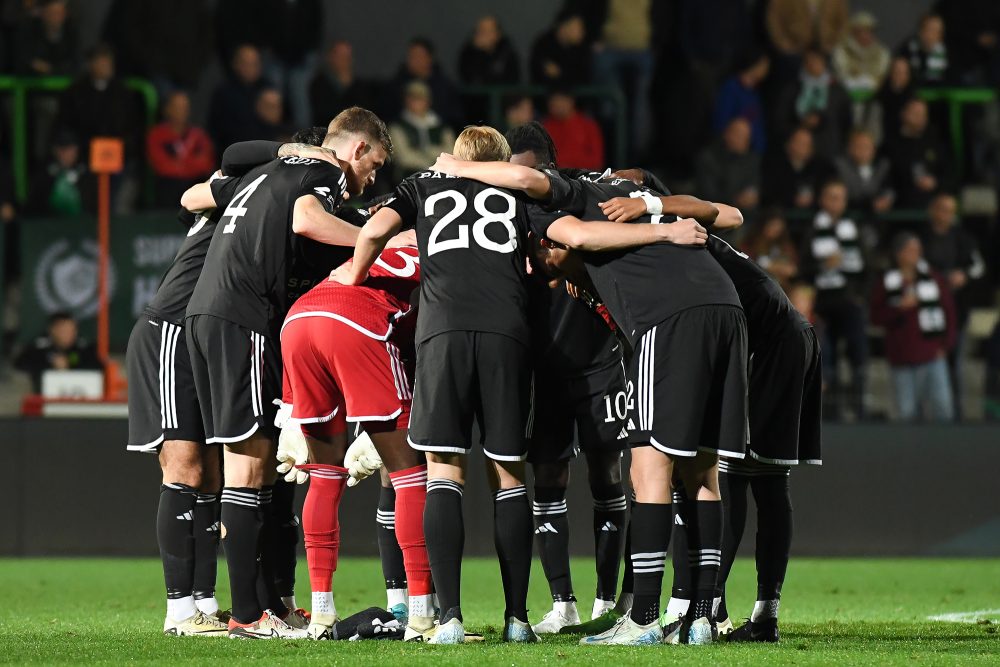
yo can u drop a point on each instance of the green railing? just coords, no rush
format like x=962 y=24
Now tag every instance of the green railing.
x=494 y=97
x=956 y=99
x=19 y=87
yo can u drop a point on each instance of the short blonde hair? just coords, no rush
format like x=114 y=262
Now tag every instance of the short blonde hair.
x=482 y=143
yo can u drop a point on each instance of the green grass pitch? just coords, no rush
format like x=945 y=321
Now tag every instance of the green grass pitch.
x=871 y=612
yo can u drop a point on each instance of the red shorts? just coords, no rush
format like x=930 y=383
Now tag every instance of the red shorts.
x=336 y=374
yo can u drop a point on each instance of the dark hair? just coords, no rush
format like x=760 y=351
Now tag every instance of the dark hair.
x=60 y=316
x=532 y=136
x=313 y=136
x=99 y=50
x=356 y=120
x=899 y=242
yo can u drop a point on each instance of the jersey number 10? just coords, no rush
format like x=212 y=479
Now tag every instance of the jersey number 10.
x=505 y=218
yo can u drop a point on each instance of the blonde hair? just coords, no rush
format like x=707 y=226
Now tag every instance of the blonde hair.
x=481 y=143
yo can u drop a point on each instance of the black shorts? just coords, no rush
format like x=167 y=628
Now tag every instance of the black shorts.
x=690 y=375
x=463 y=375
x=786 y=387
x=162 y=404
x=595 y=403
x=237 y=373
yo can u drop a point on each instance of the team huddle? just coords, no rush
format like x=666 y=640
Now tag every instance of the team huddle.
x=561 y=311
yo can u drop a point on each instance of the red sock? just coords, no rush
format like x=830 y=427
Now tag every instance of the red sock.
x=411 y=496
x=321 y=522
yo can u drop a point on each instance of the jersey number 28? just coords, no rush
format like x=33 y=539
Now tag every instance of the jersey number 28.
x=505 y=218
x=238 y=206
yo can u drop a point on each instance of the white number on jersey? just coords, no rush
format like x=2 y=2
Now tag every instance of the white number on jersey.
x=196 y=227
x=238 y=206
x=486 y=216
x=409 y=265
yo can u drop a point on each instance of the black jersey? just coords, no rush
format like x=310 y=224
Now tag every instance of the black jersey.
x=568 y=337
x=472 y=240
x=253 y=248
x=174 y=293
x=770 y=314
x=644 y=286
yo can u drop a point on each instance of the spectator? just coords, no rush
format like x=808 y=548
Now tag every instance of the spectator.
x=921 y=165
x=419 y=136
x=560 y=57
x=335 y=86
x=914 y=305
x=577 y=136
x=860 y=60
x=63 y=186
x=231 y=116
x=793 y=176
x=47 y=45
x=770 y=245
x=269 y=114
x=179 y=153
x=294 y=31
x=817 y=102
x=97 y=104
x=729 y=170
x=795 y=26
x=954 y=254
x=739 y=98
x=835 y=261
x=895 y=92
x=238 y=23
x=973 y=39
x=518 y=110
x=60 y=349
x=420 y=65
x=488 y=57
x=866 y=176
x=927 y=53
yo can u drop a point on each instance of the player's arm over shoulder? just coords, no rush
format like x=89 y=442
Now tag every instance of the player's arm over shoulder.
x=217 y=191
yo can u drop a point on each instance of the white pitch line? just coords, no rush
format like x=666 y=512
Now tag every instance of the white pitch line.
x=968 y=616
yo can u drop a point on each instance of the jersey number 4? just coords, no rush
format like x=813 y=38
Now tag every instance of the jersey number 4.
x=238 y=206
x=505 y=218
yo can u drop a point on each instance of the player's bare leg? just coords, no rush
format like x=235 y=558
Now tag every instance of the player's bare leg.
x=321 y=520
x=181 y=463
x=512 y=533
x=206 y=532
x=407 y=470
x=650 y=527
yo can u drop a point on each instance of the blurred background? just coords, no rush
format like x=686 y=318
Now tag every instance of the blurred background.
x=861 y=139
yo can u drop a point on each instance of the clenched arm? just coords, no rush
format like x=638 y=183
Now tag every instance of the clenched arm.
x=530 y=181
x=310 y=219
x=600 y=236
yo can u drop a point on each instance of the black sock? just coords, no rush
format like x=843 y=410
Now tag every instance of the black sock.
x=650 y=525
x=283 y=549
x=444 y=532
x=175 y=535
x=706 y=542
x=628 y=576
x=388 y=546
x=610 y=517
x=552 y=533
x=241 y=528
x=206 y=544
x=734 y=506
x=774 y=532
x=512 y=538
x=267 y=590
x=683 y=586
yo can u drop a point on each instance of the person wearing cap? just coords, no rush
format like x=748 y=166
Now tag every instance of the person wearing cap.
x=860 y=60
x=419 y=135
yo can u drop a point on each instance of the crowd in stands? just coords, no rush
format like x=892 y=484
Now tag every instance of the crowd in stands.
x=793 y=110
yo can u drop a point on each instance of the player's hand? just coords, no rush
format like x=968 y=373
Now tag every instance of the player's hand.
x=403 y=239
x=573 y=290
x=361 y=459
x=446 y=164
x=292 y=451
x=283 y=414
x=623 y=209
x=686 y=231
x=634 y=175
x=345 y=275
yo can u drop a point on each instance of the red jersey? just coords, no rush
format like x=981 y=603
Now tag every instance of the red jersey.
x=373 y=307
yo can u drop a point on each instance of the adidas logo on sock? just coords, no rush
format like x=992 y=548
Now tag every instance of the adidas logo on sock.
x=214 y=528
x=546 y=528
x=187 y=516
x=678 y=520
x=609 y=527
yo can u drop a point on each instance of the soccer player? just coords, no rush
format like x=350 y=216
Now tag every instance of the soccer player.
x=681 y=314
x=785 y=388
x=165 y=418
x=240 y=296
x=343 y=362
